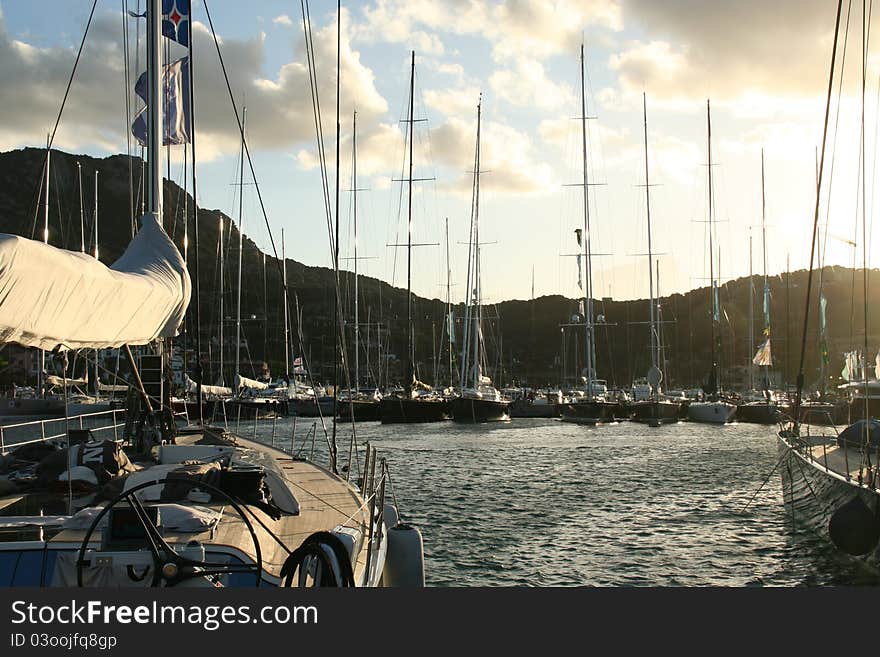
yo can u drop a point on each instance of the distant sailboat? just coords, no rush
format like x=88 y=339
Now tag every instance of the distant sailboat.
x=418 y=402
x=714 y=410
x=655 y=409
x=478 y=399
x=593 y=408
x=761 y=408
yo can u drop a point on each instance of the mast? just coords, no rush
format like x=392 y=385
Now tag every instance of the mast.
x=357 y=374
x=655 y=355
x=82 y=222
x=286 y=321
x=449 y=319
x=478 y=317
x=96 y=214
x=766 y=299
x=222 y=380
x=45 y=241
x=240 y=244
x=714 y=288
x=410 y=350
x=154 y=108
x=751 y=316
x=589 y=347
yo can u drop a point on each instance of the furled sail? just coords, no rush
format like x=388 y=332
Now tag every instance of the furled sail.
x=52 y=298
x=192 y=386
x=244 y=382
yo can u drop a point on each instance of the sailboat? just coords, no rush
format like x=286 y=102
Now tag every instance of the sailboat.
x=761 y=407
x=356 y=404
x=418 y=402
x=165 y=507
x=652 y=407
x=478 y=400
x=830 y=481
x=714 y=410
x=592 y=408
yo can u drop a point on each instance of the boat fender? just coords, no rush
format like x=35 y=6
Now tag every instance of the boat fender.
x=391 y=516
x=405 y=562
x=854 y=528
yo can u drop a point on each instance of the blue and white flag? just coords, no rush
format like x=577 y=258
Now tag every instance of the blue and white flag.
x=175 y=20
x=176 y=112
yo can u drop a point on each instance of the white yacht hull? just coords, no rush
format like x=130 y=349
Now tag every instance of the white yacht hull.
x=717 y=412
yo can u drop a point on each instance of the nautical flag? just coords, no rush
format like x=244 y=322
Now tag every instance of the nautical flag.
x=175 y=20
x=763 y=357
x=579 y=234
x=580 y=277
x=450 y=321
x=298 y=361
x=176 y=112
x=823 y=303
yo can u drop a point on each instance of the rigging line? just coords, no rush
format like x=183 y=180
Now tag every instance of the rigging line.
x=822 y=258
x=866 y=9
x=241 y=132
x=800 y=375
x=61 y=109
x=316 y=113
x=126 y=65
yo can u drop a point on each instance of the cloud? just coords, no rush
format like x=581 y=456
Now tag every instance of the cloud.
x=283 y=19
x=696 y=49
x=507 y=157
x=32 y=82
x=527 y=85
x=512 y=27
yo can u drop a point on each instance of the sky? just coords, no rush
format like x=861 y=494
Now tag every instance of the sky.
x=764 y=67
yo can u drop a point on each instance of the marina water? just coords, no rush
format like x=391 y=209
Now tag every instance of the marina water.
x=548 y=503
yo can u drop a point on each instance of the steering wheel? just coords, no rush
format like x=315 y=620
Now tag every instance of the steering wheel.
x=170 y=568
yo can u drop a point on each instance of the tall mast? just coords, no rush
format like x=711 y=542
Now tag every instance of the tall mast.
x=751 y=316
x=222 y=380
x=478 y=317
x=82 y=221
x=286 y=321
x=357 y=374
x=766 y=298
x=654 y=341
x=240 y=244
x=449 y=320
x=714 y=288
x=154 y=108
x=46 y=241
x=410 y=350
x=96 y=214
x=589 y=347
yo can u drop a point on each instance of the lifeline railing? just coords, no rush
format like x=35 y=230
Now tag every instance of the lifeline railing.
x=38 y=431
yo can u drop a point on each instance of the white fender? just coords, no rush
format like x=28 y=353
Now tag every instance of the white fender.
x=405 y=562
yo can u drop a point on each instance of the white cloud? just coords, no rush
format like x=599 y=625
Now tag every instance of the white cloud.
x=527 y=85
x=32 y=82
x=283 y=19
x=512 y=26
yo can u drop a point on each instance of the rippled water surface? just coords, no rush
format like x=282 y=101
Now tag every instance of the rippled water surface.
x=547 y=503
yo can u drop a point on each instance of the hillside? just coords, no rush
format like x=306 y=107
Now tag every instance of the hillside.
x=531 y=345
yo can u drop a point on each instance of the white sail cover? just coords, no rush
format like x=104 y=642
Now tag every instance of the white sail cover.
x=192 y=387
x=52 y=298
x=244 y=382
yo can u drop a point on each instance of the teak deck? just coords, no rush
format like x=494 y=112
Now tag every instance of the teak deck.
x=325 y=501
